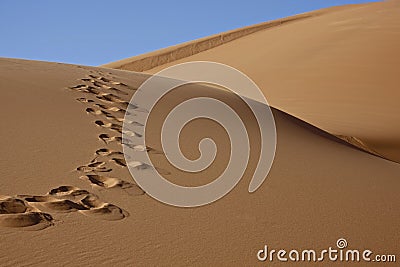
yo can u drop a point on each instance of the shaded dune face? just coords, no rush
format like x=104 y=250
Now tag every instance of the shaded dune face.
x=196 y=130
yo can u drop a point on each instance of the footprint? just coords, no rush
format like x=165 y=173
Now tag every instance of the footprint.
x=107 y=152
x=56 y=202
x=71 y=193
x=108 y=212
x=135 y=123
x=144 y=166
x=134 y=107
x=97 y=84
x=104 y=79
x=16 y=213
x=119 y=161
x=115 y=90
x=108 y=139
x=57 y=205
x=30 y=198
x=102 y=210
x=109 y=182
x=110 y=116
x=93 y=111
x=91 y=201
x=28 y=220
x=95 y=166
x=119 y=83
x=66 y=190
x=87 y=79
x=111 y=108
x=84 y=88
x=32 y=212
x=111 y=98
x=84 y=100
x=132 y=134
x=94 y=91
x=112 y=126
x=142 y=148
x=12 y=205
x=79 y=87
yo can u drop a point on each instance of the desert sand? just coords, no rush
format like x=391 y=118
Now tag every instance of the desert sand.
x=67 y=197
x=336 y=68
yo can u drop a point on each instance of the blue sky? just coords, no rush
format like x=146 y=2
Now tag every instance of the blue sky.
x=96 y=32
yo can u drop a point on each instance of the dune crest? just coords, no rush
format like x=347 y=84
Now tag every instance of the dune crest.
x=168 y=55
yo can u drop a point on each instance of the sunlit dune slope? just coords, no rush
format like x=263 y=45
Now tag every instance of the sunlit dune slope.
x=67 y=197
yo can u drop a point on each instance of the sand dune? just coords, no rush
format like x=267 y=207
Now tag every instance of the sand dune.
x=67 y=197
x=62 y=163
x=336 y=69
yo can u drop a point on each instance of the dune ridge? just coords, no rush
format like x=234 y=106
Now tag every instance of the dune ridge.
x=160 y=57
